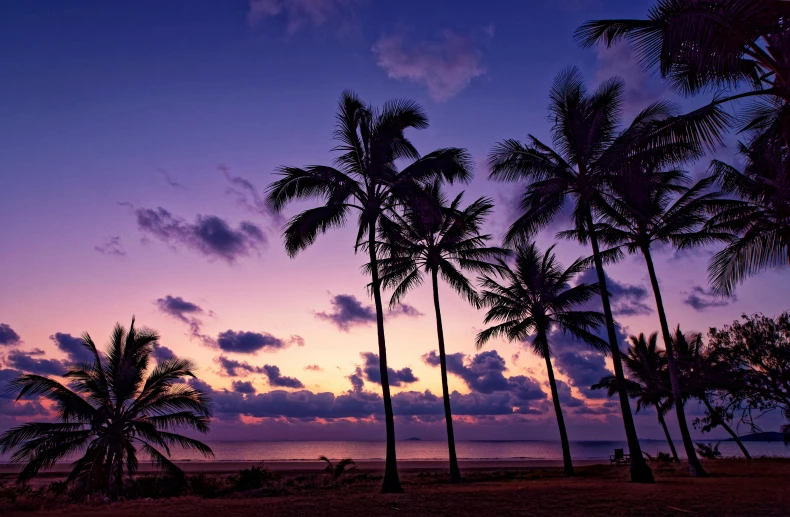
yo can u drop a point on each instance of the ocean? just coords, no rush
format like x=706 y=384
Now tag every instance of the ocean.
x=437 y=450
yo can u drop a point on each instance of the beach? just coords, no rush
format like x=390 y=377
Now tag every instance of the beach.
x=734 y=488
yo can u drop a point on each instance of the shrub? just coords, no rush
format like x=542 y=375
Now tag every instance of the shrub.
x=709 y=451
x=154 y=487
x=252 y=478
x=208 y=486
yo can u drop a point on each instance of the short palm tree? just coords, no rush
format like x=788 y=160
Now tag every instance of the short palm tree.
x=590 y=147
x=761 y=223
x=535 y=298
x=336 y=470
x=702 y=372
x=437 y=239
x=648 y=380
x=701 y=44
x=645 y=206
x=112 y=407
x=366 y=179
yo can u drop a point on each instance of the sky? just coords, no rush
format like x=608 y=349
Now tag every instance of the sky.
x=138 y=138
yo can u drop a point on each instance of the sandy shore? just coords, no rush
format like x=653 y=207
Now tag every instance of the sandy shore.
x=287 y=467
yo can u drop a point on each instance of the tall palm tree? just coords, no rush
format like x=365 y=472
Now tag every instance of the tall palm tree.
x=437 y=239
x=761 y=222
x=644 y=206
x=647 y=382
x=534 y=299
x=702 y=372
x=700 y=44
x=111 y=407
x=366 y=179
x=590 y=147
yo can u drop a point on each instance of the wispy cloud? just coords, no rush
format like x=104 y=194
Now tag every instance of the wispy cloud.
x=445 y=65
x=299 y=14
x=248 y=197
x=186 y=312
x=170 y=180
x=347 y=311
x=701 y=299
x=111 y=246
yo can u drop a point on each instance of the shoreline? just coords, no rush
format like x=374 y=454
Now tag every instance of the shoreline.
x=312 y=466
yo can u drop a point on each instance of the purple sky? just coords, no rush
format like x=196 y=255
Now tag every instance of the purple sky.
x=137 y=137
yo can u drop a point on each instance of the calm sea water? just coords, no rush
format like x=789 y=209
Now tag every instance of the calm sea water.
x=437 y=450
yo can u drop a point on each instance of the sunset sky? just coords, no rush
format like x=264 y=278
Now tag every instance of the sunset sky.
x=137 y=138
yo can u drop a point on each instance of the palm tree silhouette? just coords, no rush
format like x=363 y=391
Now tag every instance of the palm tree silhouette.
x=703 y=371
x=647 y=382
x=698 y=45
x=760 y=221
x=366 y=179
x=534 y=299
x=109 y=409
x=590 y=148
x=645 y=206
x=436 y=238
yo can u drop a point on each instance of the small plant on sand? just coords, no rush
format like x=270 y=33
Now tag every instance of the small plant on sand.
x=252 y=478
x=336 y=470
x=709 y=451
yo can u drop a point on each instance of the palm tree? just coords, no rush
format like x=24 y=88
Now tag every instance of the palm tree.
x=700 y=44
x=436 y=239
x=535 y=299
x=108 y=410
x=336 y=470
x=590 y=148
x=761 y=221
x=645 y=206
x=367 y=180
x=647 y=382
x=703 y=371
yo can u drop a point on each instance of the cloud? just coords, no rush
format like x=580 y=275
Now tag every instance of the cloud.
x=357 y=384
x=11 y=408
x=371 y=371
x=112 y=247
x=210 y=235
x=248 y=197
x=640 y=89
x=348 y=311
x=276 y=379
x=626 y=299
x=314 y=368
x=243 y=342
x=162 y=353
x=302 y=13
x=234 y=368
x=245 y=387
x=73 y=347
x=169 y=179
x=8 y=336
x=583 y=368
x=29 y=362
x=445 y=65
x=185 y=312
x=701 y=299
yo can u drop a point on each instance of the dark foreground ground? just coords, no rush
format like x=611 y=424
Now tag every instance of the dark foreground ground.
x=736 y=487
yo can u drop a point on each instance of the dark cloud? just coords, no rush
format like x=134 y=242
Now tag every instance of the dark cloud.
x=245 y=387
x=371 y=371
x=313 y=367
x=248 y=342
x=583 y=369
x=566 y=397
x=626 y=299
x=234 y=368
x=209 y=235
x=701 y=299
x=12 y=408
x=357 y=383
x=248 y=197
x=483 y=373
x=73 y=347
x=111 y=246
x=348 y=311
x=278 y=380
x=185 y=312
x=8 y=337
x=162 y=353
x=33 y=362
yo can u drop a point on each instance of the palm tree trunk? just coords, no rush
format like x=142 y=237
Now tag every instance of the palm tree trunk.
x=695 y=467
x=391 y=483
x=715 y=416
x=640 y=470
x=666 y=433
x=566 y=447
x=455 y=472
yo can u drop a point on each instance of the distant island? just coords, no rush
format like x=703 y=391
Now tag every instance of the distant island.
x=413 y=439
x=770 y=436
